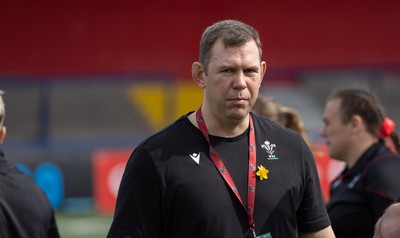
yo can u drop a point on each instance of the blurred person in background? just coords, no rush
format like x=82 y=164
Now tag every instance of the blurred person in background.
x=388 y=226
x=354 y=129
x=222 y=171
x=24 y=208
x=270 y=108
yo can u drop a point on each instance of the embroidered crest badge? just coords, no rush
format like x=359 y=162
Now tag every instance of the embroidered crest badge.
x=270 y=149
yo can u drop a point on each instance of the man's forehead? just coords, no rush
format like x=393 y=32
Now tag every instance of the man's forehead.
x=332 y=107
x=219 y=50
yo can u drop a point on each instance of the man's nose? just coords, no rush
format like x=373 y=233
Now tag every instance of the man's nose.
x=239 y=81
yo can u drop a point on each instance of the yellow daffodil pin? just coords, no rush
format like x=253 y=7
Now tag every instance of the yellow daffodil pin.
x=262 y=172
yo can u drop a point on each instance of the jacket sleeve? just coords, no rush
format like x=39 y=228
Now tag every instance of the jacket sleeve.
x=137 y=212
x=312 y=214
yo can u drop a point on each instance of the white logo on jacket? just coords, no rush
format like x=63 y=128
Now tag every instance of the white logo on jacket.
x=195 y=157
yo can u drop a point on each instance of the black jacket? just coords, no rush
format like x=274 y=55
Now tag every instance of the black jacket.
x=360 y=195
x=24 y=208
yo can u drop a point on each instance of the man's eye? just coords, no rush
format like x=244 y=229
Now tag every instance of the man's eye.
x=251 y=71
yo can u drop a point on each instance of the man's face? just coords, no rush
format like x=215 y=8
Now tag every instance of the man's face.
x=336 y=133
x=233 y=80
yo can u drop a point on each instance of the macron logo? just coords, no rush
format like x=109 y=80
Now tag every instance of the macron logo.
x=195 y=157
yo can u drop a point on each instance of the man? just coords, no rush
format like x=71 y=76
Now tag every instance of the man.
x=24 y=208
x=222 y=171
x=355 y=128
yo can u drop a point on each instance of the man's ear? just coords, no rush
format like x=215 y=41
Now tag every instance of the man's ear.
x=2 y=134
x=263 y=70
x=356 y=123
x=198 y=74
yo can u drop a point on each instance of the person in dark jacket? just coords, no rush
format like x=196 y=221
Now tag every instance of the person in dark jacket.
x=355 y=131
x=24 y=208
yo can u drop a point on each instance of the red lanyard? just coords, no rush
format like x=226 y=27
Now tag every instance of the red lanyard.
x=251 y=192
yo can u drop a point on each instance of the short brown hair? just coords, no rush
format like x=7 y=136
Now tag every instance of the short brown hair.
x=232 y=33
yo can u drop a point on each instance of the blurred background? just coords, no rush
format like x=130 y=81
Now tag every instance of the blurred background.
x=86 y=81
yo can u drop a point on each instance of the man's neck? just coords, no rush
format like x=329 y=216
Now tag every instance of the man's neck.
x=226 y=129
x=359 y=149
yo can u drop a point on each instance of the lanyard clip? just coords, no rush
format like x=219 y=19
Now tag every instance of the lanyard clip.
x=251 y=233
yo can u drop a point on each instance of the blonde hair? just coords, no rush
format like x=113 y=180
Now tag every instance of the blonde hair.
x=292 y=119
x=270 y=108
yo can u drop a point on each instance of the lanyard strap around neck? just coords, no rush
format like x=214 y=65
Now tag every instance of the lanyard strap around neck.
x=251 y=183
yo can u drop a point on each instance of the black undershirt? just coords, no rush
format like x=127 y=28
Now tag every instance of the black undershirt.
x=234 y=154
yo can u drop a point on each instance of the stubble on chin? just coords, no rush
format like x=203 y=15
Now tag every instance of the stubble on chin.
x=238 y=114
